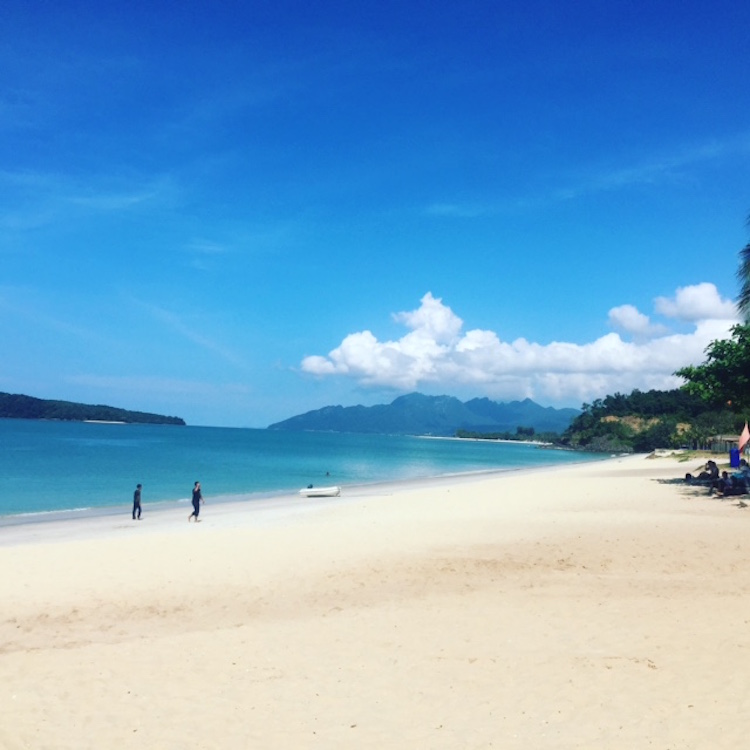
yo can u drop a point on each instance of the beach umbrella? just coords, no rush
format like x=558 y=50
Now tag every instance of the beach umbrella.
x=744 y=437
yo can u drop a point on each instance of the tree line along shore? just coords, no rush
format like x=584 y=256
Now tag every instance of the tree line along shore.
x=18 y=406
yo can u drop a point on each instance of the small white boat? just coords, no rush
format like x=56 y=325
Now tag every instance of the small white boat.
x=320 y=492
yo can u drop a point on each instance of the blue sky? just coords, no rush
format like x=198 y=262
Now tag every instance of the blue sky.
x=237 y=212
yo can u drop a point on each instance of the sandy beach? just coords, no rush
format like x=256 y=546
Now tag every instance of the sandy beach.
x=599 y=605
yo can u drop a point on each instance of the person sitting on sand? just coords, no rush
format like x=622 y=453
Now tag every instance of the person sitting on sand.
x=744 y=471
x=736 y=483
x=710 y=474
x=742 y=477
x=731 y=484
x=721 y=485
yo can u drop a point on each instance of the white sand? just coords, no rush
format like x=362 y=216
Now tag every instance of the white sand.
x=591 y=606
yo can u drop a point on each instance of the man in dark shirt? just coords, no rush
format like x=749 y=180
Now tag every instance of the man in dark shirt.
x=137 y=502
x=197 y=500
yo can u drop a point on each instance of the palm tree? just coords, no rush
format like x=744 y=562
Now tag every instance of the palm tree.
x=743 y=276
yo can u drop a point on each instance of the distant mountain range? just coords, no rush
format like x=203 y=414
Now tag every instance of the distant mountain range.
x=416 y=414
x=18 y=406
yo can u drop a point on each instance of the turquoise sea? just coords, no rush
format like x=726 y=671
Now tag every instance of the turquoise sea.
x=49 y=467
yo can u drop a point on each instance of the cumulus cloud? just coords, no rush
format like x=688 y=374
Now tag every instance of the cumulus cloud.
x=694 y=303
x=436 y=353
x=630 y=320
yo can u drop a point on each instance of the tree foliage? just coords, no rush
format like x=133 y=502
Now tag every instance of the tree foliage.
x=521 y=434
x=18 y=406
x=723 y=380
x=743 y=276
x=643 y=421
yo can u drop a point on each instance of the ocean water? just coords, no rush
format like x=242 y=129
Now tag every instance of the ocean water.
x=63 y=466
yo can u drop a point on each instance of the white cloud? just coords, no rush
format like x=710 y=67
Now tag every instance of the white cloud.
x=628 y=319
x=436 y=354
x=433 y=320
x=698 y=302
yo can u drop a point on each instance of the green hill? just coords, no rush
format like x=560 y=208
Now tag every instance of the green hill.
x=417 y=414
x=643 y=421
x=17 y=406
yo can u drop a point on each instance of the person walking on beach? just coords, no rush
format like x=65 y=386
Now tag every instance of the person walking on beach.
x=137 y=502
x=197 y=500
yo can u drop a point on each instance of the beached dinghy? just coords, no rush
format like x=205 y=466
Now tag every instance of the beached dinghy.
x=320 y=492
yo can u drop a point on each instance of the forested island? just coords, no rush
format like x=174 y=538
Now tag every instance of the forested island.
x=18 y=406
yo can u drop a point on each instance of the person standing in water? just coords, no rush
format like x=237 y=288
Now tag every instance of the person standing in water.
x=137 y=502
x=197 y=500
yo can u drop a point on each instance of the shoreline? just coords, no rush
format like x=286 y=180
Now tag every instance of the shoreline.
x=599 y=604
x=57 y=467
x=60 y=520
